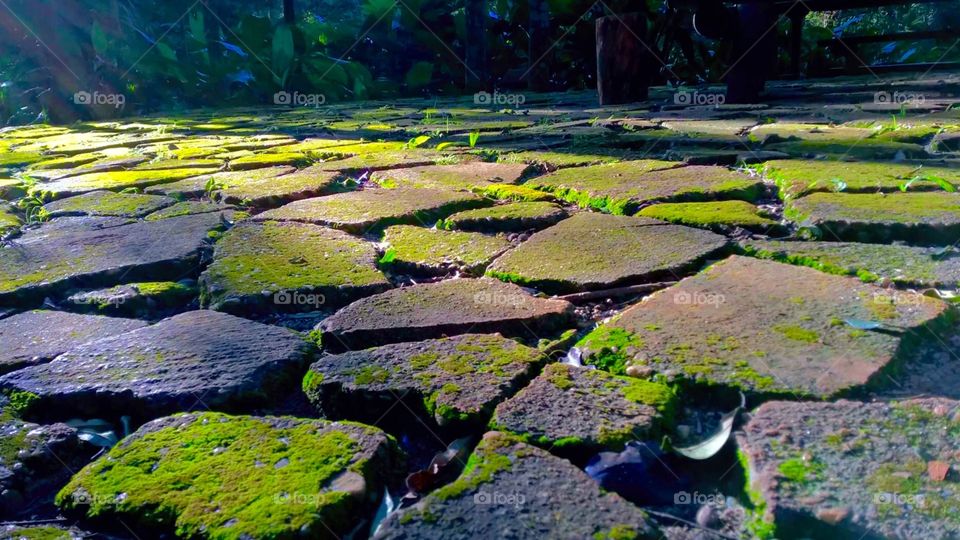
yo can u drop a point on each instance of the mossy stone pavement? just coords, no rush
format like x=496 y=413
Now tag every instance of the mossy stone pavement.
x=534 y=289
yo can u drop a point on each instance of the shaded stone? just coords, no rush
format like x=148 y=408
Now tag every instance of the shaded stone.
x=924 y=218
x=765 y=328
x=108 y=203
x=361 y=211
x=10 y=221
x=864 y=149
x=719 y=216
x=34 y=337
x=451 y=307
x=514 y=490
x=240 y=476
x=575 y=410
x=438 y=251
x=620 y=188
x=289 y=266
x=189 y=208
x=797 y=178
x=912 y=266
x=271 y=191
x=595 y=251
x=97 y=251
x=518 y=216
x=220 y=181
x=454 y=381
x=852 y=469
x=148 y=300
x=199 y=359
x=463 y=176
x=77 y=185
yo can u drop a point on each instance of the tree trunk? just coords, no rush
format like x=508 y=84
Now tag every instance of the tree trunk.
x=625 y=65
x=476 y=77
x=289 y=15
x=538 y=70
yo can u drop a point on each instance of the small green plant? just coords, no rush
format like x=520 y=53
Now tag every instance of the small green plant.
x=212 y=186
x=474 y=137
x=33 y=210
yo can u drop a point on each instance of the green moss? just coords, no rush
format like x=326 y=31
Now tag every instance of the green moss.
x=420 y=248
x=19 y=402
x=710 y=214
x=371 y=375
x=515 y=193
x=797 y=333
x=800 y=470
x=608 y=347
x=108 y=204
x=758 y=522
x=311 y=381
x=222 y=476
x=658 y=396
x=560 y=377
x=482 y=466
x=617 y=532
x=903 y=208
x=37 y=533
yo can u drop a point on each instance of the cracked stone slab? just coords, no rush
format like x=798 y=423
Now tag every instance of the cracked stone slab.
x=584 y=411
x=272 y=191
x=110 y=180
x=240 y=476
x=199 y=359
x=923 y=218
x=515 y=490
x=462 y=176
x=718 y=216
x=361 y=211
x=189 y=208
x=108 y=203
x=596 y=251
x=852 y=470
x=621 y=188
x=797 y=178
x=455 y=381
x=35 y=337
x=198 y=185
x=906 y=265
x=512 y=217
x=97 y=251
x=765 y=328
x=446 y=308
x=437 y=251
x=289 y=266
x=146 y=300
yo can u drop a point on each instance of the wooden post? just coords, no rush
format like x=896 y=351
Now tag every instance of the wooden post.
x=625 y=65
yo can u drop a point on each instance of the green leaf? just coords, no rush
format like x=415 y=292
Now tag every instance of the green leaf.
x=166 y=52
x=99 y=39
x=419 y=75
x=445 y=145
x=195 y=22
x=474 y=137
x=944 y=185
x=282 y=53
x=418 y=141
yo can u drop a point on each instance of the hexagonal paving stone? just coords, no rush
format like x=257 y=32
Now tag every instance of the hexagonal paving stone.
x=852 y=470
x=108 y=203
x=518 y=491
x=621 y=188
x=289 y=266
x=273 y=191
x=197 y=186
x=596 y=251
x=461 y=176
x=925 y=218
x=96 y=251
x=199 y=359
x=77 y=185
x=580 y=411
x=764 y=327
x=797 y=178
x=241 y=476
x=437 y=251
x=450 y=307
x=34 y=337
x=518 y=216
x=720 y=216
x=361 y=211
x=913 y=266
x=454 y=381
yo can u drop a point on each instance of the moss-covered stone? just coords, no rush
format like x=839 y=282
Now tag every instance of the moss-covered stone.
x=595 y=251
x=9 y=220
x=519 y=216
x=454 y=381
x=510 y=192
x=864 y=149
x=289 y=266
x=764 y=328
x=258 y=161
x=438 y=251
x=464 y=176
x=146 y=300
x=584 y=411
x=925 y=218
x=210 y=475
x=189 y=208
x=797 y=178
x=11 y=188
x=221 y=181
x=113 y=180
x=108 y=203
x=362 y=211
x=719 y=216
x=269 y=191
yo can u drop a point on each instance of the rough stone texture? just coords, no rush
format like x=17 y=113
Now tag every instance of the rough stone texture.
x=273 y=191
x=361 y=211
x=518 y=216
x=621 y=188
x=575 y=409
x=763 y=327
x=108 y=203
x=199 y=359
x=912 y=266
x=597 y=251
x=77 y=185
x=198 y=185
x=719 y=216
x=9 y=220
x=454 y=380
x=449 y=307
x=240 y=477
x=34 y=337
x=925 y=218
x=188 y=208
x=289 y=266
x=461 y=177
x=851 y=469
x=518 y=491
x=146 y=300
x=438 y=251
x=35 y=460
x=797 y=178
x=93 y=251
